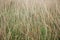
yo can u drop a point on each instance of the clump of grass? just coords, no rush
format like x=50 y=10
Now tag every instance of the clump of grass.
x=30 y=20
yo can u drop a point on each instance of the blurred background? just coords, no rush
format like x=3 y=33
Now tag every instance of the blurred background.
x=29 y=19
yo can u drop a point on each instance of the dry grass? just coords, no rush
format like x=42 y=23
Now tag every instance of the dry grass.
x=29 y=20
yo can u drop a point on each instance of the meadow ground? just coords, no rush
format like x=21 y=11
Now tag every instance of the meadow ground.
x=29 y=20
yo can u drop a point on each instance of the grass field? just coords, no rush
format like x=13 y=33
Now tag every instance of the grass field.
x=29 y=20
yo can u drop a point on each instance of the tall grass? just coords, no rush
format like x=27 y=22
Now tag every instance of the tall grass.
x=29 y=20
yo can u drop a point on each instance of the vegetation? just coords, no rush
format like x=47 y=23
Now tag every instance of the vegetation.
x=29 y=20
